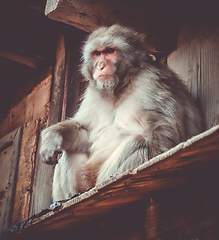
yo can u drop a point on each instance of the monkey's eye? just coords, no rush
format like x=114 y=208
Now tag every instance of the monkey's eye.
x=109 y=50
x=96 y=53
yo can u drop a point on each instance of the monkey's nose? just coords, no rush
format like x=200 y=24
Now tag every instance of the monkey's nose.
x=101 y=65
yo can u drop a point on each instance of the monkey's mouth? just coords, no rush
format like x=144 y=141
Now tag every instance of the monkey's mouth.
x=107 y=82
x=105 y=77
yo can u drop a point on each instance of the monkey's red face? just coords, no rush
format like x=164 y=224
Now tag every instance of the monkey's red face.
x=104 y=63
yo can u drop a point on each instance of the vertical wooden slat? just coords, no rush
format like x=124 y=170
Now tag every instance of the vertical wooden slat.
x=9 y=158
x=196 y=61
x=25 y=172
x=42 y=186
x=210 y=73
x=58 y=82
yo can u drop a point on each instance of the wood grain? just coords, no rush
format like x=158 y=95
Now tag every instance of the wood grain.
x=25 y=172
x=9 y=158
x=32 y=107
x=196 y=61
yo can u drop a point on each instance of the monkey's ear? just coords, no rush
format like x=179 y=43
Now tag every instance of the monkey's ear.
x=153 y=57
x=142 y=37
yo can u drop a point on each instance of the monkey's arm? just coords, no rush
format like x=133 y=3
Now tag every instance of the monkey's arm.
x=70 y=135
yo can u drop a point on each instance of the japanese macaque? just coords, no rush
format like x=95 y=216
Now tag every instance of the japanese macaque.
x=133 y=109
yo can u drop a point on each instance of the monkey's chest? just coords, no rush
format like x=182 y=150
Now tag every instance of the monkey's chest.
x=105 y=140
x=130 y=116
x=107 y=137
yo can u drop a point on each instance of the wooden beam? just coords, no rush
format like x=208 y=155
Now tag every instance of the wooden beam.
x=25 y=58
x=88 y=15
x=144 y=16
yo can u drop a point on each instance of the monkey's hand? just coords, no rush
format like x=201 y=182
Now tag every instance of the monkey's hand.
x=69 y=136
x=51 y=142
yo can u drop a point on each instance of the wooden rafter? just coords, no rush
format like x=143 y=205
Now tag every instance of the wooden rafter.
x=145 y=16
x=25 y=58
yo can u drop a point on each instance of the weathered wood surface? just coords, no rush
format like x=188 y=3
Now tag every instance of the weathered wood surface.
x=184 y=212
x=25 y=171
x=196 y=61
x=9 y=158
x=164 y=171
x=88 y=15
x=32 y=107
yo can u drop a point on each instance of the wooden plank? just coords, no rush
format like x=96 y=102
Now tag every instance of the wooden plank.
x=41 y=102
x=170 y=169
x=9 y=157
x=88 y=15
x=25 y=172
x=196 y=62
x=187 y=211
x=42 y=186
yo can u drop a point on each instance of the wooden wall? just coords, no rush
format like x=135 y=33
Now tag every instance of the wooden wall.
x=9 y=158
x=196 y=61
x=32 y=107
x=26 y=118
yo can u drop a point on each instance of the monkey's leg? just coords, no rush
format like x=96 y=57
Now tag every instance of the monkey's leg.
x=69 y=136
x=131 y=153
x=70 y=176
